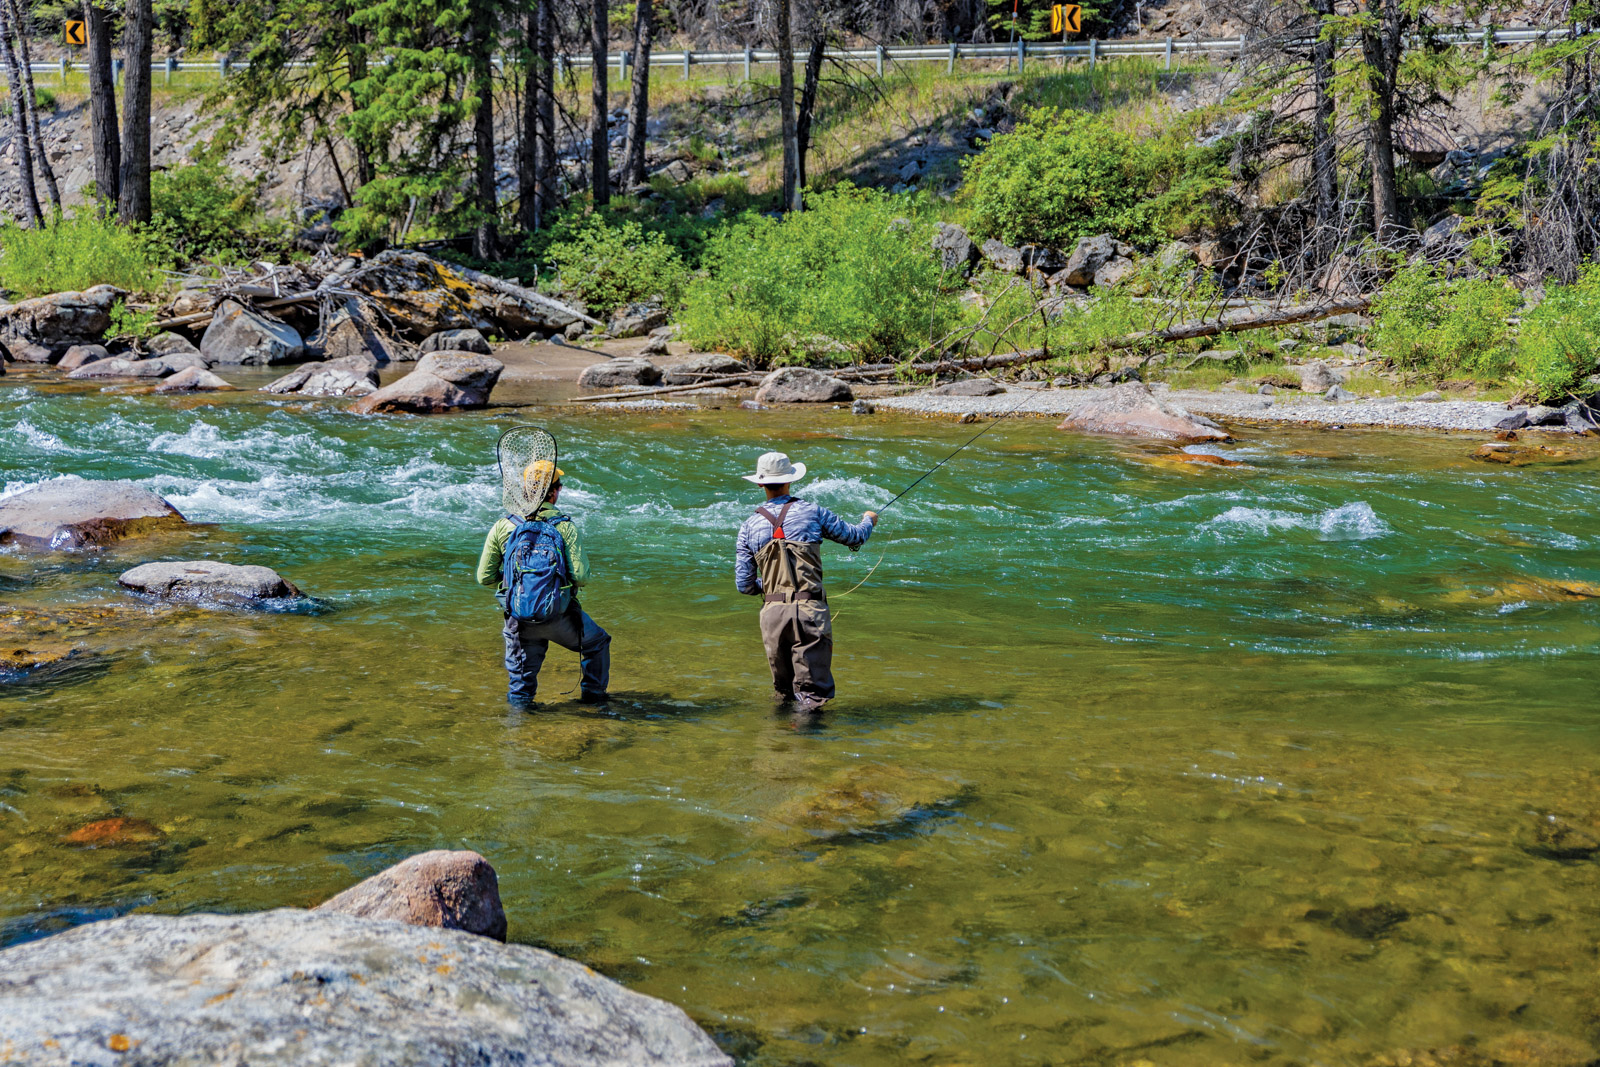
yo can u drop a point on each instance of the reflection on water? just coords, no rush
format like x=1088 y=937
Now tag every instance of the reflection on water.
x=1129 y=763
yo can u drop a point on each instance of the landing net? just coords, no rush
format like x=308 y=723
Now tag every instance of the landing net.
x=527 y=457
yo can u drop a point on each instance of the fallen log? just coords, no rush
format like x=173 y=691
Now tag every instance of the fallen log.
x=202 y=318
x=517 y=292
x=715 y=383
x=1231 y=322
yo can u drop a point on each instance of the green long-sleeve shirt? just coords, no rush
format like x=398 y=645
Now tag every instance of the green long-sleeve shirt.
x=491 y=562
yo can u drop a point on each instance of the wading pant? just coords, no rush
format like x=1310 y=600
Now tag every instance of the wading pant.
x=799 y=640
x=527 y=643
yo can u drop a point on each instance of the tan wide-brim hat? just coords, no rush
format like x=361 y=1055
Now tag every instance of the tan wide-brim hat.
x=774 y=468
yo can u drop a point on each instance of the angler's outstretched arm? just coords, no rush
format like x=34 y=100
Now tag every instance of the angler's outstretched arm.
x=836 y=529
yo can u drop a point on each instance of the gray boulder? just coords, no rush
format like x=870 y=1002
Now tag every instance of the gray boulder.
x=457 y=341
x=181 y=361
x=1175 y=254
x=1430 y=396
x=1318 y=377
x=351 y=334
x=167 y=344
x=969 y=387
x=314 y=989
x=1544 y=415
x=449 y=890
x=619 y=373
x=120 y=367
x=239 y=335
x=443 y=381
x=1442 y=235
x=1003 y=257
x=208 y=580
x=703 y=367
x=21 y=351
x=1088 y=256
x=76 y=513
x=1113 y=271
x=636 y=320
x=955 y=248
x=1338 y=393
x=654 y=346
x=1514 y=421
x=62 y=319
x=801 y=385
x=79 y=355
x=1130 y=410
x=193 y=380
x=347 y=376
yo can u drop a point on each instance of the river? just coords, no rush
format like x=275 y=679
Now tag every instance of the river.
x=1131 y=761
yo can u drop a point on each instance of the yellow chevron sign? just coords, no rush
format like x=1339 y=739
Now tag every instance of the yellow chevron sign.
x=1066 y=17
x=74 y=32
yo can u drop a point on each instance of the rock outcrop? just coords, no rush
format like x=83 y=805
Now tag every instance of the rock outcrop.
x=238 y=334
x=701 y=368
x=193 y=380
x=443 y=381
x=346 y=376
x=801 y=385
x=208 y=580
x=1130 y=410
x=619 y=373
x=60 y=320
x=315 y=989
x=450 y=890
x=458 y=341
x=71 y=513
x=1088 y=256
x=955 y=247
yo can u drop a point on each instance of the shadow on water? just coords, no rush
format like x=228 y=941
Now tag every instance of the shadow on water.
x=32 y=927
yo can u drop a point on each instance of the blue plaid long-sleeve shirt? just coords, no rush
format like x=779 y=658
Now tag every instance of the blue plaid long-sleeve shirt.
x=806 y=523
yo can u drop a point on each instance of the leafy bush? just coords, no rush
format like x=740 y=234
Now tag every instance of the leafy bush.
x=202 y=210
x=1062 y=175
x=847 y=274
x=76 y=252
x=1555 y=350
x=1446 y=326
x=609 y=264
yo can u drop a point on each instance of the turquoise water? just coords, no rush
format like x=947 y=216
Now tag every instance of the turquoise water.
x=1131 y=761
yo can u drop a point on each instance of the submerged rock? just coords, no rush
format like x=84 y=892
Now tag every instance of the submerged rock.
x=32 y=654
x=450 y=890
x=205 y=579
x=79 y=355
x=238 y=334
x=193 y=380
x=75 y=513
x=801 y=385
x=1516 y=455
x=1131 y=410
x=443 y=381
x=312 y=988
x=1563 y=838
x=119 y=832
x=619 y=373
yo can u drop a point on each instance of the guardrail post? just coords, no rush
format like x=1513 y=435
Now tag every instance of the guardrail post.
x=1022 y=54
x=1169 y=53
x=170 y=65
x=222 y=66
x=116 y=72
x=685 y=64
x=1488 y=41
x=622 y=65
x=563 y=66
x=1094 y=51
x=66 y=65
x=950 y=68
x=1241 y=44
x=746 y=62
x=880 y=60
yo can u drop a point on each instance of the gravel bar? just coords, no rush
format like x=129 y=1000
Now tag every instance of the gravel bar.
x=1473 y=415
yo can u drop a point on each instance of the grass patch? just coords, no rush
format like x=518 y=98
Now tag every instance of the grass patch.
x=76 y=252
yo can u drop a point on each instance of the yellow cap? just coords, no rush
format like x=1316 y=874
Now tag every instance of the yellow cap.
x=538 y=471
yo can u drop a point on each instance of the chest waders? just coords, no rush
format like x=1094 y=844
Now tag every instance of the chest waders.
x=796 y=627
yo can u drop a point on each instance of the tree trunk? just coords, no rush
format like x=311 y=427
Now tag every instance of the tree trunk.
x=133 y=199
x=103 y=110
x=485 y=238
x=25 y=58
x=528 y=125
x=356 y=66
x=808 y=104
x=1380 y=48
x=19 y=121
x=1324 y=159
x=546 y=71
x=639 y=100
x=599 y=147
x=791 y=156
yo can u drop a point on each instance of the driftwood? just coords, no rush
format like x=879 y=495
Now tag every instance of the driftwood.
x=1184 y=331
x=517 y=292
x=202 y=318
x=736 y=379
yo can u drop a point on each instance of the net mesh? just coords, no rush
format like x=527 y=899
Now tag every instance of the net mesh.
x=527 y=467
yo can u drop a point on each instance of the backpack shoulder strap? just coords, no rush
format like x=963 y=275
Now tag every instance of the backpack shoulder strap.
x=776 y=520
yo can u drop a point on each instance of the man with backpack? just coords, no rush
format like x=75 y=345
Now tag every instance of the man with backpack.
x=537 y=563
x=779 y=558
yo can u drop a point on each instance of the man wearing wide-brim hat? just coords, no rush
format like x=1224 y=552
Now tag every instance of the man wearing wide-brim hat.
x=779 y=559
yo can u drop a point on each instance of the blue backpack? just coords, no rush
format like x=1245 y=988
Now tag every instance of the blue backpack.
x=535 y=569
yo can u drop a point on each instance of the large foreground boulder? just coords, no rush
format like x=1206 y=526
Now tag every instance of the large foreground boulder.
x=74 y=513
x=239 y=335
x=60 y=320
x=312 y=989
x=1130 y=410
x=619 y=374
x=701 y=368
x=451 y=890
x=801 y=385
x=208 y=580
x=355 y=375
x=443 y=381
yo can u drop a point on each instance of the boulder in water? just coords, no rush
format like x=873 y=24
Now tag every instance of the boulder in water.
x=801 y=385
x=355 y=375
x=319 y=989
x=701 y=368
x=458 y=341
x=79 y=355
x=74 y=513
x=450 y=890
x=193 y=380
x=182 y=361
x=62 y=319
x=208 y=580
x=443 y=381
x=238 y=334
x=1131 y=410
x=122 y=367
x=21 y=351
x=351 y=334
x=619 y=373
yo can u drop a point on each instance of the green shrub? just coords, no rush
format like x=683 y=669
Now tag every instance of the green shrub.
x=849 y=275
x=1062 y=175
x=1446 y=326
x=75 y=252
x=1556 y=348
x=202 y=210
x=608 y=263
